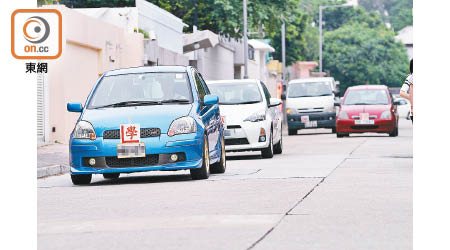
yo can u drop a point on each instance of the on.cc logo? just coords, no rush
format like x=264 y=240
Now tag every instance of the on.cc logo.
x=36 y=29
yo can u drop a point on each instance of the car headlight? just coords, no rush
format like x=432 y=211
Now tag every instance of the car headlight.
x=182 y=125
x=256 y=117
x=343 y=115
x=386 y=115
x=84 y=130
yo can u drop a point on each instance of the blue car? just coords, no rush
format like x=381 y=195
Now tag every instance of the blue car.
x=146 y=119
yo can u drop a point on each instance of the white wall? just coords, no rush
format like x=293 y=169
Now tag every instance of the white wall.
x=167 y=27
x=216 y=63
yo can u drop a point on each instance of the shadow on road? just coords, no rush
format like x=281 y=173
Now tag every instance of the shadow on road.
x=143 y=179
x=313 y=133
x=243 y=157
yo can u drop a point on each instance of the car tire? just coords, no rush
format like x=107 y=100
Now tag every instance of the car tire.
x=202 y=172
x=292 y=131
x=394 y=133
x=81 y=179
x=220 y=166
x=268 y=152
x=278 y=148
x=111 y=175
x=333 y=130
x=341 y=135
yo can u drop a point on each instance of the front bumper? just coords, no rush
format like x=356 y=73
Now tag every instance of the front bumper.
x=188 y=146
x=324 y=120
x=379 y=126
x=247 y=136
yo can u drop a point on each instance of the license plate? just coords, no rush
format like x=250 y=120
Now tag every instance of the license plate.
x=304 y=118
x=130 y=150
x=229 y=132
x=364 y=122
x=311 y=124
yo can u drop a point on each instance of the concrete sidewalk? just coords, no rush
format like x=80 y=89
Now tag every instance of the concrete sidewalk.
x=52 y=159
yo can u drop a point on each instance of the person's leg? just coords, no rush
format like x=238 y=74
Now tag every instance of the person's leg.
x=411 y=119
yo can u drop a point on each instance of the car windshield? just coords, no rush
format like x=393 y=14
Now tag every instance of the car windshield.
x=309 y=89
x=236 y=93
x=367 y=97
x=141 y=89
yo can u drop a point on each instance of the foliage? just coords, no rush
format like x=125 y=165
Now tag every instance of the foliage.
x=225 y=17
x=396 y=12
x=96 y=3
x=145 y=33
x=356 y=54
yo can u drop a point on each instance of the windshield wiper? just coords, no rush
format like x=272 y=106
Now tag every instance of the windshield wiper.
x=301 y=96
x=248 y=102
x=176 y=101
x=359 y=103
x=130 y=103
x=237 y=103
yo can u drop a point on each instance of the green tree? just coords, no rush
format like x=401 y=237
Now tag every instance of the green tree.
x=96 y=3
x=356 y=54
x=225 y=17
x=396 y=12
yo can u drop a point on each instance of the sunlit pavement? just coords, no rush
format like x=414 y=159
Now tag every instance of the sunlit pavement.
x=323 y=192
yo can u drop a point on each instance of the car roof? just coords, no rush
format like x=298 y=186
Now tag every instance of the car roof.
x=312 y=79
x=361 y=87
x=233 y=81
x=147 y=69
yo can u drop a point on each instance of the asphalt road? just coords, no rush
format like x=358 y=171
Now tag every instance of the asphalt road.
x=321 y=193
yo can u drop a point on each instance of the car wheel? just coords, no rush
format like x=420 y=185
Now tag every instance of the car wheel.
x=278 y=148
x=203 y=172
x=268 y=152
x=333 y=130
x=111 y=175
x=81 y=179
x=292 y=131
x=394 y=133
x=220 y=166
x=340 y=135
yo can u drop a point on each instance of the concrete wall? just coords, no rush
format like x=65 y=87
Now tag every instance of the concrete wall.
x=216 y=63
x=90 y=47
x=167 y=27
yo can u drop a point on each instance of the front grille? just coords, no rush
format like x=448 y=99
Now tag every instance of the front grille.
x=236 y=141
x=148 y=160
x=233 y=126
x=356 y=117
x=364 y=127
x=145 y=133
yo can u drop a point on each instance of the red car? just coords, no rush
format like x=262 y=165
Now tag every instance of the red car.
x=367 y=108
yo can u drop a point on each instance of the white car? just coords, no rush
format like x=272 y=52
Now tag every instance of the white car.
x=403 y=107
x=252 y=118
x=311 y=103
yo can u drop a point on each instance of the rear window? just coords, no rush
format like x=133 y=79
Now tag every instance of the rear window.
x=367 y=97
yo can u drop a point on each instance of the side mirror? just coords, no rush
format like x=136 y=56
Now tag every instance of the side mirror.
x=210 y=99
x=337 y=103
x=74 y=107
x=397 y=103
x=283 y=96
x=274 y=102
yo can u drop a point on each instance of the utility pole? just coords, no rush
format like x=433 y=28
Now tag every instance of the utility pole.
x=320 y=39
x=245 y=41
x=283 y=58
x=283 y=51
